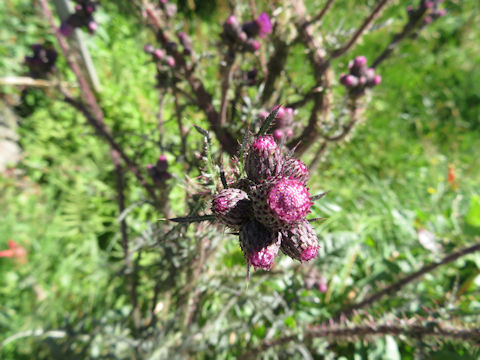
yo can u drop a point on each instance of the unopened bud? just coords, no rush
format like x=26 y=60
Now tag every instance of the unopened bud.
x=158 y=53
x=278 y=134
x=92 y=26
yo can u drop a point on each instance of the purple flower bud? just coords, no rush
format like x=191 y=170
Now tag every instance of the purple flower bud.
x=159 y=54
x=281 y=112
x=162 y=163
x=263 y=115
x=427 y=20
x=278 y=134
x=289 y=110
x=66 y=29
x=149 y=49
x=253 y=45
x=90 y=9
x=429 y=4
x=360 y=61
x=92 y=26
x=231 y=20
x=242 y=37
x=370 y=73
x=78 y=7
x=181 y=35
x=349 y=81
x=264 y=24
x=172 y=45
x=170 y=61
x=377 y=80
x=409 y=8
x=289 y=132
x=441 y=12
x=322 y=285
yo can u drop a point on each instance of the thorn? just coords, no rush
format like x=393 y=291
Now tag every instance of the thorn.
x=192 y=219
x=316 y=219
x=319 y=196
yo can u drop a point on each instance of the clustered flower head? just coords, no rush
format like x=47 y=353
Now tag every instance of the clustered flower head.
x=82 y=17
x=282 y=126
x=268 y=207
x=160 y=57
x=360 y=77
x=42 y=61
x=243 y=35
x=429 y=7
x=159 y=171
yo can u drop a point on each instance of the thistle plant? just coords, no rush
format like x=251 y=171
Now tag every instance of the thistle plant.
x=262 y=193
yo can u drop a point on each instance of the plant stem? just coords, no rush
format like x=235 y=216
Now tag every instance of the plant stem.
x=395 y=287
x=337 y=333
x=365 y=25
x=322 y=12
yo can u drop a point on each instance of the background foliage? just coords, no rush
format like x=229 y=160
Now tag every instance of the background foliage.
x=388 y=182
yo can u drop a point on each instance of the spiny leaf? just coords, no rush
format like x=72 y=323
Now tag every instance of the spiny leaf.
x=268 y=121
x=319 y=196
x=192 y=219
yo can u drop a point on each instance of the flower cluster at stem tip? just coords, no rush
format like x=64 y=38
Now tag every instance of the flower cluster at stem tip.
x=268 y=207
x=81 y=18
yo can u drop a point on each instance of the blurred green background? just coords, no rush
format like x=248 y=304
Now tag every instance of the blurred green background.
x=388 y=182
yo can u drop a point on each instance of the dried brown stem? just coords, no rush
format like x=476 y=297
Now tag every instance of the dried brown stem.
x=395 y=287
x=91 y=109
x=336 y=333
x=275 y=67
x=203 y=99
x=181 y=130
x=355 y=115
x=104 y=133
x=321 y=98
x=227 y=74
x=397 y=38
x=365 y=25
x=322 y=12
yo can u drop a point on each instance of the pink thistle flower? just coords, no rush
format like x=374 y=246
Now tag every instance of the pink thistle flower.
x=264 y=24
x=289 y=200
